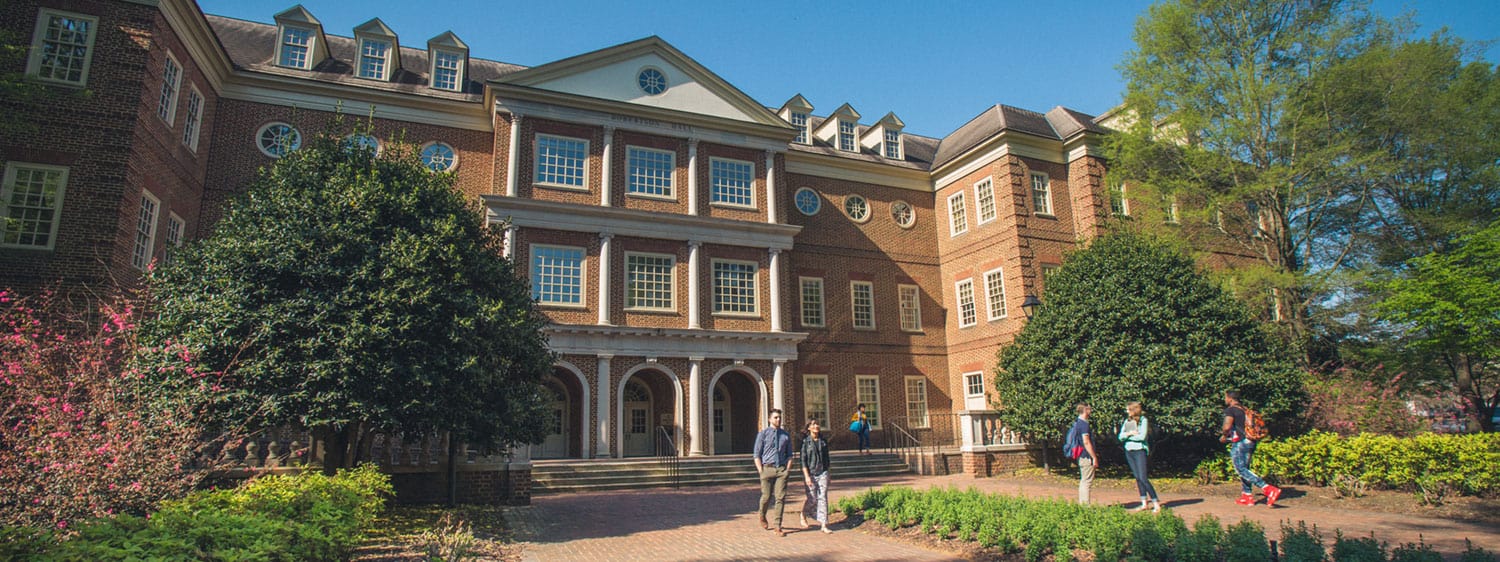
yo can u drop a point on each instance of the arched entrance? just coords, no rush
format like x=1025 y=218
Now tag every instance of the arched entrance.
x=649 y=411
x=567 y=411
x=739 y=410
x=722 y=421
x=555 y=444
x=637 y=422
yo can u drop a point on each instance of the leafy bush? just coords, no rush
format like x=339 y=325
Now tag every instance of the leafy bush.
x=1202 y=544
x=1419 y=551
x=1364 y=549
x=1246 y=542
x=1430 y=463
x=1300 y=544
x=1475 y=554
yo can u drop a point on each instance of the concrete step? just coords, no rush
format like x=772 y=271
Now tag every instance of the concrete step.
x=571 y=476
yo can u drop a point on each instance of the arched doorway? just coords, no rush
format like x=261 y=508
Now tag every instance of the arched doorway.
x=722 y=421
x=566 y=415
x=637 y=423
x=555 y=444
x=739 y=410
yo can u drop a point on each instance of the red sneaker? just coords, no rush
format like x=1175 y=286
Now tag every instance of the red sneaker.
x=1272 y=494
x=1246 y=499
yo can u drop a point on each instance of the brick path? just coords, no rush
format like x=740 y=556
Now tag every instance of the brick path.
x=718 y=523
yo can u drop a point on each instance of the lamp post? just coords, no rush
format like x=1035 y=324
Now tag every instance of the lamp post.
x=1030 y=304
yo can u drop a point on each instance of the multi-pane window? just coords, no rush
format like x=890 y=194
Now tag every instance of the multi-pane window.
x=967 y=314
x=812 y=301
x=62 y=48
x=857 y=208
x=808 y=201
x=911 y=307
x=650 y=171
x=867 y=392
x=903 y=214
x=648 y=280
x=974 y=384
x=734 y=287
x=731 y=182
x=984 y=196
x=994 y=292
x=862 y=299
x=1047 y=270
x=560 y=161
x=799 y=120
x=145 y=231
x=1041 y=194
x=439 y=157
x=31 y=204
x=557 y=275
x=637 y=420
x=1169 y=208
x=815 y=399
x=893 y=144
x=958 y=215
x=295 y=44
x=278 y=139
x=372 y=58
x=846 y=135
x=194 y=121
x=174 y=237
x=171 y=82
x=1117 y=205
x=916 y=402
x=446 y=68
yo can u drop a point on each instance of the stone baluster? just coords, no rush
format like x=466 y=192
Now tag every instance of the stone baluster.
x=273 y=454
x=252 y=454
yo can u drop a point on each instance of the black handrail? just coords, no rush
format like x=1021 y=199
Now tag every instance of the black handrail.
x=669 y=459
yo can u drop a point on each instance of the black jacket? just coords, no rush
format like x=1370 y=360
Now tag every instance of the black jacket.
x=815 y=455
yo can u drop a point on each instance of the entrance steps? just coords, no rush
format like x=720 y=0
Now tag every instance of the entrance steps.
x=592 y=475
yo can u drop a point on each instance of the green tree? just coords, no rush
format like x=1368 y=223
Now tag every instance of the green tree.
x=1450 y=303
x=1132 y=318
x=345 y=292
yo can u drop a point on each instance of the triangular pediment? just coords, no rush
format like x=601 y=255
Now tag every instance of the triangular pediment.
x=297 y=14
x=375 y=27
x=616 y=74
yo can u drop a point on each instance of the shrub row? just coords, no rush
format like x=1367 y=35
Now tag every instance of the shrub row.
x=306 y=516
x=1431 y=463
x=1038 y=527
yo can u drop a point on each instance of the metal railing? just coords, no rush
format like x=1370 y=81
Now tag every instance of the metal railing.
x=935 y=432
x=900 y=441
x=666 y=453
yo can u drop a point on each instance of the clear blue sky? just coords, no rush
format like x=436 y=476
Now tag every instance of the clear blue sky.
x=936 y=64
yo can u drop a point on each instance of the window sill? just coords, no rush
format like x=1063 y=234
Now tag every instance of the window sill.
x=563 y=306
x=658 y=311
x=667 y=198
x=561 y=187
x=738 y=315
x=1045 y=216
x=734 y=206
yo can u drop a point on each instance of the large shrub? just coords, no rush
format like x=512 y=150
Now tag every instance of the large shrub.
x=1429 y=463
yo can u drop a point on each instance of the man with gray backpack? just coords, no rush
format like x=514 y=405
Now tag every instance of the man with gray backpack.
x=1078 y=444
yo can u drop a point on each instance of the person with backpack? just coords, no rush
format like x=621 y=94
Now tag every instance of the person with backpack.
x=1079 y=445
x=1242 y=428
x=1134 y=432
x=859 y=423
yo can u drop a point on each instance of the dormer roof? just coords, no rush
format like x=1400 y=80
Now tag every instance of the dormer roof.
x=297 y=15
x=797 y=104
x=830 y=126
x=375 y=27
x=890 y=121
x=447 y=40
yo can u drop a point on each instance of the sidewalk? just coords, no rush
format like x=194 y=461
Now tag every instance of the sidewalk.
x=718 y=523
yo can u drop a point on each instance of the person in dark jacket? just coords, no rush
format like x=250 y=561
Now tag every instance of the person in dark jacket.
x=815 y=474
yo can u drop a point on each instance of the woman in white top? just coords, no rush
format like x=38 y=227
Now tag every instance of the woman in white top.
x=1133 y=434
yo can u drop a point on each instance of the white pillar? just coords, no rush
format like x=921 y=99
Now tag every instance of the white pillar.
x=696 y=428
x=694 y=270
x=509 y=248
x=692 y=176
x=605 y=290
x=775 y=290
x=604 y=409
x=778 y=386
x=512 y=166
x=770 y=186
x=609 y=144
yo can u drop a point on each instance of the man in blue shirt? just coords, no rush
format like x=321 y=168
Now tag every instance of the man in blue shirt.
x=773 y=452
x=1082 y=435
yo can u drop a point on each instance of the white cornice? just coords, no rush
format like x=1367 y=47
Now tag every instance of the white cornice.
x=531 y=213
x=593 y=111
x=323 y=96
x=1084 y=145
x=1005 y=143
x=192 y=29
x=592 y=340
x=833 y=167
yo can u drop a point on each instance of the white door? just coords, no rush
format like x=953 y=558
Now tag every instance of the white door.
x=637 y=420
x=722 y=443
x=555 y=444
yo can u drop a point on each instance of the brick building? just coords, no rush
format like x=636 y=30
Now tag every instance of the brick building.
x=702 y=257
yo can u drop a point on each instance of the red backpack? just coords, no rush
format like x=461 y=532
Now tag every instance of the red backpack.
x=1255 y=425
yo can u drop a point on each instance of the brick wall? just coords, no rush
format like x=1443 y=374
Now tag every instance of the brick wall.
x=484 y=485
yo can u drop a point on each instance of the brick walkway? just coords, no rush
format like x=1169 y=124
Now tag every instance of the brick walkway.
x=718 y=523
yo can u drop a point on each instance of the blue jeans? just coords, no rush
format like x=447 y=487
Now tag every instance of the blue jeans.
x=864 y=437
x=1137 y=460
x=1240 y=453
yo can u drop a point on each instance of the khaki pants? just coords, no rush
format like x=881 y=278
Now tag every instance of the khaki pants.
x=773 y=487
x=1085 y=479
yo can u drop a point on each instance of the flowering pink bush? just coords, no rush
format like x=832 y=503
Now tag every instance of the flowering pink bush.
x=1353 y=399
x=78 y=438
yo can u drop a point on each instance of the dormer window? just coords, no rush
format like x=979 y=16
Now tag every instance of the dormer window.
x=798 y=112
x=296 y=42
x=300 y=42
x=446 y=68
x=379 y=55
x=799 y=120
x=892 y=144
x=846 y=135
x=373 y=57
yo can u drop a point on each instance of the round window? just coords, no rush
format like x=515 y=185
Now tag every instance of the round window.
x=808 y=201
x=439 y=157
x=276 y=139
x=651 y=81
x=362 y=141
x=903 y=214
x=857 y=208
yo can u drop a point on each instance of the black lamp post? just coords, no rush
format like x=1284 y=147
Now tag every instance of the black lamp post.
x=1030 y=304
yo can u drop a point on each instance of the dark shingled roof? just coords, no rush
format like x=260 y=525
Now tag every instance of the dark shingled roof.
x=251 y=45
x=917 y=150
x=1059 y=124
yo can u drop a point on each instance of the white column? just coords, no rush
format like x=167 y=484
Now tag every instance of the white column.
x=696 y=428
x=609 y=144
x=771 y=186
x=605 y=290
x=512 y=166
x=692 y=176
x=775 y=290
x=509 y=248
x=695 y=265
x=778 y=386
x=604 y=409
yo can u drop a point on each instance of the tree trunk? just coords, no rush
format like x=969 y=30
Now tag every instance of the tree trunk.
x=337 y=449
x=452 y=469
x=1475 y=406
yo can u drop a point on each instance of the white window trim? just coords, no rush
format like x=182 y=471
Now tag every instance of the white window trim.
x=536 y=171
x=873 y=404
x=143 y=262
x=268 y=125
x=755 y=286
x=312 y=45
x=979 y=206
x=908 y=224
x=869 y=209
x=34 y=62
x=1124 y=202
x=1172 y=210
x=171 y=110
x=854 y=313
x=926 y=412
x=816 y=197
x=886 y=142
x=805 y=128
x=753 y=201
x=359 y=58
x=838 y=136
x=454 y=165
x=989 y=306
x=671 y=282
x=1047 y=181
x=463 y=69
x=958 y=297
x=822 y=302
x=827 y=408
x=193 y=125
x=671 y=175
x=900 y=290
x=8 y=185
x=965 y=378
x=583 y=275
x=174 y=223
x=954 y=228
